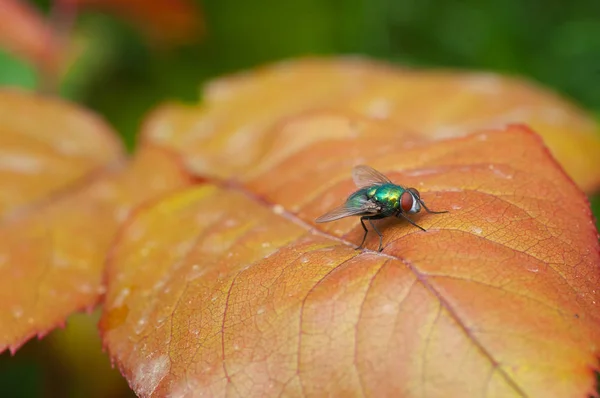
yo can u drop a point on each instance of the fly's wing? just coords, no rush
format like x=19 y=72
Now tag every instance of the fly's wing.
x=365 y=176
x=360 y=207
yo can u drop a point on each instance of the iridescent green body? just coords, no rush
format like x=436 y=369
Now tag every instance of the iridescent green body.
x=377 y=197
x=386 y=195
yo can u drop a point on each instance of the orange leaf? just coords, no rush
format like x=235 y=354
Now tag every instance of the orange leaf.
x=24 y=32
x=48 y=146
x=232 y=129
x=235 y=291
x=62 y=200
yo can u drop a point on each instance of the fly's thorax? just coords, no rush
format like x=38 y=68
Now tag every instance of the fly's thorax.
x=388 y=195
x=371 y=191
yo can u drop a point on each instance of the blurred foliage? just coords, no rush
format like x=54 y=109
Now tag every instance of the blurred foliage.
x=69 y=362
x=116 y=72
x=15 y=72
x=554 y=42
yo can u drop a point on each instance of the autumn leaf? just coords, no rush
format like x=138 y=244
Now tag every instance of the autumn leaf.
x=64 y=192
x=233 y=290
x=233 y=127
x=48 y=146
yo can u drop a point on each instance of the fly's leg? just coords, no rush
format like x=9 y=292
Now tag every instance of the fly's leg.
x=412 y=222
x=362 y=222
x=378 y=233
x=430 y=211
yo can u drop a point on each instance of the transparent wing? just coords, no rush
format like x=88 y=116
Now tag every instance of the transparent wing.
x=360 y=208
x=340 y=212
x=365 y=176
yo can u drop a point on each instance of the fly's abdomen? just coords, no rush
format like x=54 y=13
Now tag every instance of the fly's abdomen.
x=358 y=198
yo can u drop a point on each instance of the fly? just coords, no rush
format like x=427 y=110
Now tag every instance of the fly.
x=377 y=197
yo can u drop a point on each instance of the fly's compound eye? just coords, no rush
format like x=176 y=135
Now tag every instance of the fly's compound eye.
x=406 y=201
x=415 y=192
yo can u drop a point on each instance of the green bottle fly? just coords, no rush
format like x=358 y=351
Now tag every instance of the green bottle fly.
x=376 y=198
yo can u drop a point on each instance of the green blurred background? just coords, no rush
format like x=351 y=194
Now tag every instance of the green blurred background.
x=121 y=76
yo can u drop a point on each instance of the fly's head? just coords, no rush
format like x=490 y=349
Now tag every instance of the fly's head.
x=410 y=201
